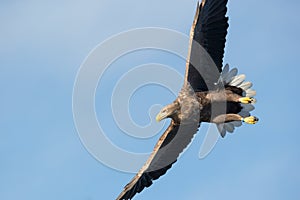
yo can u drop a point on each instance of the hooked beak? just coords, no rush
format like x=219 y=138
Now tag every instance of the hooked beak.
x=160 y=117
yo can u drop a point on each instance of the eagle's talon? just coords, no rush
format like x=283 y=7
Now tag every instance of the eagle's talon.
x=250 y=120
x=247 y=100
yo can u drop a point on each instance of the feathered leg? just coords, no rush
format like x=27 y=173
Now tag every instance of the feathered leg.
x=234 y=117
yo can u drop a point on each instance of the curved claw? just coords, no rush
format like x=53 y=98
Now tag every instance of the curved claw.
x=247 y=100
x=250 y=120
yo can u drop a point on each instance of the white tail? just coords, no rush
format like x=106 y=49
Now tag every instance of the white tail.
x=231 y=78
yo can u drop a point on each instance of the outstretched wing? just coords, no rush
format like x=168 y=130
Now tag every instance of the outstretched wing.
x=165 y=153
x=208 y=31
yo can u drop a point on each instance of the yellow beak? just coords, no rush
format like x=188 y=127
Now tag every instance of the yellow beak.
x=158 y=118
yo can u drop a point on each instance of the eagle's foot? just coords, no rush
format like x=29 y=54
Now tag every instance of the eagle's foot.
x=247 y=100
x=250 y=120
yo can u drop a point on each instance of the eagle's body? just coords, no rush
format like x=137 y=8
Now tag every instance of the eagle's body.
x=203 y=103
x=210 y=93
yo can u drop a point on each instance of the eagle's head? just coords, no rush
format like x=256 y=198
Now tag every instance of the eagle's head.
x=169 y=111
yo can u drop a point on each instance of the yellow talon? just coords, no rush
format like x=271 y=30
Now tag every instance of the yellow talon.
x=247 y=100
x=250 y=120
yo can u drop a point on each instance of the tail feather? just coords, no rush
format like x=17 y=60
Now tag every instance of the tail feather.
x=250 y=93
x=237 y=80
x=237 y=84
x=245 y=85
x=230 y=78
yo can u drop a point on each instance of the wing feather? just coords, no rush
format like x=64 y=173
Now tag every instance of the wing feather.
x=165 y=154
x=209 y=30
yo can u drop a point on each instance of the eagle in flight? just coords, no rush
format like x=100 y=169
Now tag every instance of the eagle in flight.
x=210 y=93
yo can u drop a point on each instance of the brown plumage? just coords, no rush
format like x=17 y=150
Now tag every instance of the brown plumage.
x=208 y=95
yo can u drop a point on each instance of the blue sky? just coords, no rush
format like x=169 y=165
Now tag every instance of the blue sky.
x=42 y=45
